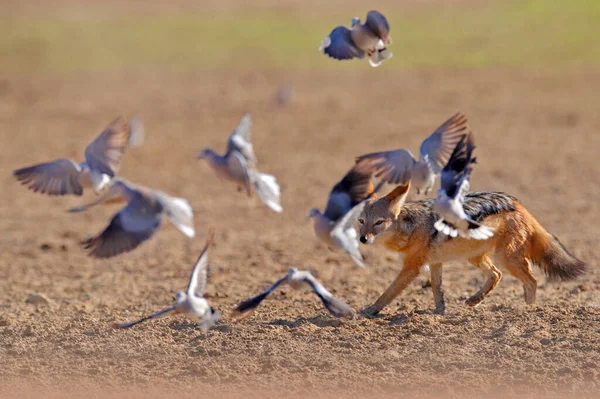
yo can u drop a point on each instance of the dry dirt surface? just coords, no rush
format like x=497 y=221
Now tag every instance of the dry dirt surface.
x=537 y=137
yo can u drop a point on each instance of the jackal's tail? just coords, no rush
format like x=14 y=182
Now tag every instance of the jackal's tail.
x=553 y=258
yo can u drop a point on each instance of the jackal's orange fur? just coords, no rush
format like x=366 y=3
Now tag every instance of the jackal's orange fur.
x=518 y=242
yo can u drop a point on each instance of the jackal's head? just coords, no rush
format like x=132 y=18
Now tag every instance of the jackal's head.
x=380 y=213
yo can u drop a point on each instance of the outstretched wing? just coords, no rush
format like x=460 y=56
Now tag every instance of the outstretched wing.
x=339 y=45
x=137 y=132
x=393 y=167
x=157 y=315
x=60 y=177
x=133 y=225
x=354 y=187
x=199 y=276
x=345 y=236
x=250 y=304
x=457 y=172
x=336 y=307
x=241 y=141
x=378 y=24
x=437 y=148
x=104 y=154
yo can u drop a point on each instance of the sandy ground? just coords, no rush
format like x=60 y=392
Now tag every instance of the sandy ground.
x=537 y=139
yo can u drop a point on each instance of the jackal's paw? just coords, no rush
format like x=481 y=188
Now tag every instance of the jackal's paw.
x=370 y=312
x=475 y=300
x=440 y=310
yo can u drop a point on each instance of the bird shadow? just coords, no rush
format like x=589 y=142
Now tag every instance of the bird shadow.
x=395 y=319
x=318 y=321
x=221 y=327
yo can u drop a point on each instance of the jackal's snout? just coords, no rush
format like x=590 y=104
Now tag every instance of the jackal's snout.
x=367 y=238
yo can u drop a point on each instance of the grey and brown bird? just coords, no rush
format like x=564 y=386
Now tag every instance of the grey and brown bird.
x=190 y=302
x=238 y=166
x=103 y=158
x=335 y=226
x=297 y=279
x=455 y=185
x=398 y=167
x=370 y=39
x=139 y=220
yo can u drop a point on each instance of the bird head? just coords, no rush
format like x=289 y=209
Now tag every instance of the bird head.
x=180 y=297
x=313 y=212
x=206 y=153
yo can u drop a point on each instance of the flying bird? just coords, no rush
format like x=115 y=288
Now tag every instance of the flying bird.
x=238 y=165
x=370 y=38
x=296 y=279
x=102 y=161
x=191 y=302
x=138 y=220
x=400 y=166
x=455 y=185
x=335 y=226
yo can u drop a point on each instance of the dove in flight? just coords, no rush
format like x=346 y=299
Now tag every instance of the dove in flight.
x=102 y=161
x=346 y=201
x=296 y=279
x=138 y=220
x=400 y=166
x=191 y=302
x=370 y=38
x=455 y=185
x=238 y=165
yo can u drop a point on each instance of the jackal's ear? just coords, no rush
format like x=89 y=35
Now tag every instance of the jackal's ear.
x=397 y=197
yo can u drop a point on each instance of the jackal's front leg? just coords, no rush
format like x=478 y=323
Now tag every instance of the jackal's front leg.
x=410 y=271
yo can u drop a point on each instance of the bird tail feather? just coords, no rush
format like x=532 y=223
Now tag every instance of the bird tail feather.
x=268 y=191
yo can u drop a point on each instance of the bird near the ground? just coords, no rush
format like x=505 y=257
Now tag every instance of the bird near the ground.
x=138 y=220
x=296 y=279
x=335 y=226
x=190 y=302
x=102 y=161
x=238 y=165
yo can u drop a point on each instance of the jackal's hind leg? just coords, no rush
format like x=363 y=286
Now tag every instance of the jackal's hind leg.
x=492 y=274
x=521 y=269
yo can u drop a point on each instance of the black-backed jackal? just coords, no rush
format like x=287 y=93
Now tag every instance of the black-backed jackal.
x=518 y=242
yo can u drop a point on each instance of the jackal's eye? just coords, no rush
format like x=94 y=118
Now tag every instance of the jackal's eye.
x=379 y=222
x=361 y=221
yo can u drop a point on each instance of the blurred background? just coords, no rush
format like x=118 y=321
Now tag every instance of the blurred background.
x=66 y=36
x=526 y=73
